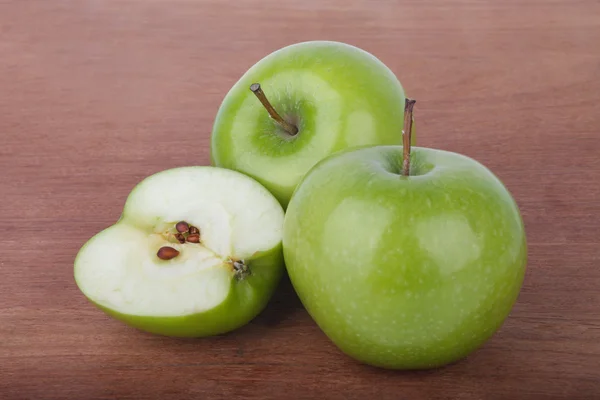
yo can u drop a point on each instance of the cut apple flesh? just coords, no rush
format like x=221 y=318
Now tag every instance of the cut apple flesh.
x=119 y=268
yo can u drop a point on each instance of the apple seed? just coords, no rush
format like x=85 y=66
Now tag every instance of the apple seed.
x=167 y=253
x=180 y=238
x=182 y=226
x=194 y=230
x=195 y=238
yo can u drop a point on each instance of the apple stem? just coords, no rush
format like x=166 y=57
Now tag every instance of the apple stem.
x=289 y=128
x=406 y=135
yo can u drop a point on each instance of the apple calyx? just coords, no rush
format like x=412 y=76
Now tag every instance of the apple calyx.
x=406 y=135
x=292 y=130
x=240 y=269
x=184 y=233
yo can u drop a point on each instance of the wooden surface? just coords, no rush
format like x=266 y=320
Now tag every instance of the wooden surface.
x=96 y=95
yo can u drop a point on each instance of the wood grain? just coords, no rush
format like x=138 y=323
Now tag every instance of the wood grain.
x=95 y=95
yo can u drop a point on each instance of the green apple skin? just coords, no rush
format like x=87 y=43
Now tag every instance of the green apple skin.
x=405 y=272
x=339 y=96
x=245 y=298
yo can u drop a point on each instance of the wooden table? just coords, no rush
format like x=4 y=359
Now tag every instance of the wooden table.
x=96 y=95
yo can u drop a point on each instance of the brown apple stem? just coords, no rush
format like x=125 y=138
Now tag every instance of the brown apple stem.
x=406 y=135
x=289 y=128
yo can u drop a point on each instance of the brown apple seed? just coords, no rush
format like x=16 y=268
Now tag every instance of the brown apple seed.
x=167 y=253
x=195 y=238
x=182 y=226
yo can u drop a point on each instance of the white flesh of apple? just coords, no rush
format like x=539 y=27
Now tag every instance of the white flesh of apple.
x=237 y=217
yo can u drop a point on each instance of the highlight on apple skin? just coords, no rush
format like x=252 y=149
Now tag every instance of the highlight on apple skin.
x=405 y=271
x=314 y=99
x=197 y=252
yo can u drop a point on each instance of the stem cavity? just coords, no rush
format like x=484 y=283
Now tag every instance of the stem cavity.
x=289 y=128
x=406 y=135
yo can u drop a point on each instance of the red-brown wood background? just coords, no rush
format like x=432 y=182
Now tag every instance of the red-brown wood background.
x=95 y=95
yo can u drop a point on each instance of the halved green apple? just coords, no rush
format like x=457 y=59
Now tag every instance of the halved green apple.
x=196 y=252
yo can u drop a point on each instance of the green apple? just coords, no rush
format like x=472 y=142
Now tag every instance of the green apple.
x=330 y=96
x=405 y=271
x=196 y=252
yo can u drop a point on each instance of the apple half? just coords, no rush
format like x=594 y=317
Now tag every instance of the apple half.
x=196 y=252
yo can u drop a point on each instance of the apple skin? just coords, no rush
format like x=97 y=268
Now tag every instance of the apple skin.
x=405 y=272
x=339 y=96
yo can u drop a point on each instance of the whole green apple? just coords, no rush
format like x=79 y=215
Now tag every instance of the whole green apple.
x=321 y=97
x=404 y=271
x=196 y=252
